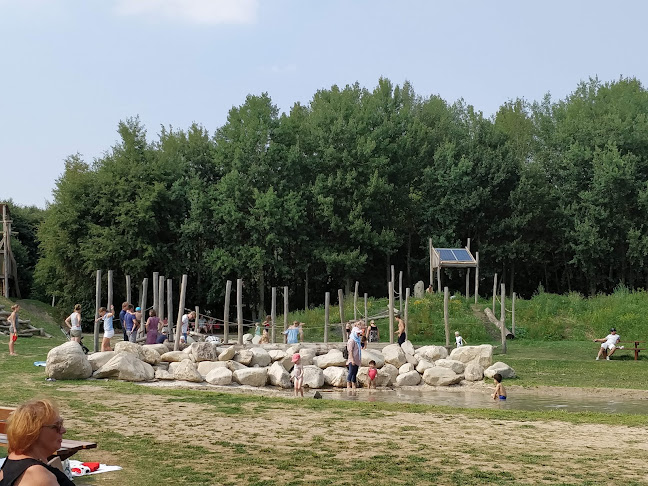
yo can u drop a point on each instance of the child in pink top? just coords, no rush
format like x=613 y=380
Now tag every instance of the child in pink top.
x=298 y=374
x=373 y=372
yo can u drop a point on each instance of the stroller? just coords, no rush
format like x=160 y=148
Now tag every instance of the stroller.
x=67 y=335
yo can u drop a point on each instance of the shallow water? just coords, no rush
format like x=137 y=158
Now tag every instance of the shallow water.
x=518 y=400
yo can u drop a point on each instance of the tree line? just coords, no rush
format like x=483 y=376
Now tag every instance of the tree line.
x=551 y=193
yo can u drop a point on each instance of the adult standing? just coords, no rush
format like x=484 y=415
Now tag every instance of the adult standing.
x=73 y=322
x=13 y=328
x=373 y=332
x=122 y=319
x=152 y=327
x=292 y=333
x=355 y=357
x=185 y=323
x=402 y=336
x=131 y=324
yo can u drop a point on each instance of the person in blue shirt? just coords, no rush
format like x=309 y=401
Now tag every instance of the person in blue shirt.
x=122 y=318
x=109 y=331
x=292 y=333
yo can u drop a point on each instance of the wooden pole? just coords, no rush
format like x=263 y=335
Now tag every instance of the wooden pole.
x=446 y=319
x=97 y=305
x=439 y=277
x=228 y=291
x=393 y=279
x=169 y=286
x=142 y=305
x=390 y=288
x=156 y=289
x=406 y=316
x=400 y=293
x=355 y=302
x=513 y=314
x=503 y=316
x=305 y=294
x=494 y=292
x=431 y=265
x=181 y=304
x=5 y=251
x=467 y=283
x=53 y=300
x=341 y=305
x=366 y=318
x=239 y=309
x=327 y=305
x=477 y=277
x=160 y=308
x=285 y=294
x=128 y=289
x=273 y=313
x=197 y=320
x=110 y=290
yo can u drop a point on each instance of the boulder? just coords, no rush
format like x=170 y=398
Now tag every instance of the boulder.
x=391 y=371
x=411 y=378
x=474 y=372
x=205 y=351
x=412 y=359
x=260 y=357
x=419 y=289
x=394 y=355
x=256 y=340
x=68 y=362
x=160 y=348
x=278 y=376
x=332 y=358
x=244 y=356
x=406 y=368
x=150 y=355
x=126 y=366
x=97 y=360
x=173 y=356
x=313 y=377
x=235 y=365
x=219 y=376
x=227 y=354
x=251 y=376
x=161 y=374
x=204 y=367
x=456 y=366
x=423 y=365
x=372 y=355
x=408 y=348
x=432 y=353
x=335 y=376
x=247 y=338
x=502 y=368
x=383 y=378
x=186 y=371
x=128 y=347
x=438 y=376
x=276 y=354
x=482 y=354
x=307 y=355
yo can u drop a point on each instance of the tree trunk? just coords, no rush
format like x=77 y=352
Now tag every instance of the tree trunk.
x=261 y=307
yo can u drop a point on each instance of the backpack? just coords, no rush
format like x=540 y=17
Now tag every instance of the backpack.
x=345 y=353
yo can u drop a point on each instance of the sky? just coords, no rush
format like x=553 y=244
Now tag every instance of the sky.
x=72 y=69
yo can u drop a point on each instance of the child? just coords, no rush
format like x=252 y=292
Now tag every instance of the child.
x=373 y=372
x=460 y=341
x=13 y=329
x=500 y=392
x=109 y=331
x=298 y=375
x=265 y=339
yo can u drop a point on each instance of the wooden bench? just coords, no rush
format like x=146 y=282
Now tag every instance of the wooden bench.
x=68 y=447
x=634 y=348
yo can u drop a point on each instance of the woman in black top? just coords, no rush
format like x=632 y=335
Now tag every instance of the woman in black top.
x=34 y=432
x=372 y=332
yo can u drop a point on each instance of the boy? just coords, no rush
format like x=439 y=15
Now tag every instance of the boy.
x=500 y=392
x=372 y=373
x=459 y=339
x=109 y=331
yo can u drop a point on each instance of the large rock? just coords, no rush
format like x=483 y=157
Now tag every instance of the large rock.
x=474 y=372
x=432 y=353
x=408 y=348
x=125 y=366
x=227 y=354
x=502 y=368
x=278 y=376
x=456 y=366
x=423 y=365
x=97 y=360
x=419 y=289
x=205 y=351
x=335 y=376
x=406 y=368
x=256 y=340
x=160 y=348
x=411 y=378
x=307 y=354
x=384 y=377
x=276 y=354
x=173 y=357
x=150 y=356
x=391 y=371
x=204 y=367
x=186 y=371
x=482 y=354
x=260 y=357
x=394 y=355
x=67 y=362
x=235 y=365
x=372 y=355
x=244 y=356
x=251 y=376
x=332 y=358
x=412 y=359
x=247 y=338
x=438 y=376
x=128 y=347
x=219 y=376
x=313 y=377
x=162 y=374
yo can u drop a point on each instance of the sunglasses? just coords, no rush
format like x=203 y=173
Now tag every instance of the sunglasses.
x=58 y=426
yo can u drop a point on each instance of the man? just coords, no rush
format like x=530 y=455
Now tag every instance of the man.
x=185 y=323
x=131 y=324
x=163 y=336
x=401 y=331
x=608 y=344
x=122 y=317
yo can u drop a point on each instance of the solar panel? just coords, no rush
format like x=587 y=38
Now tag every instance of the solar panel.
x=446 y=255
x=462 y=255
x=454 y=255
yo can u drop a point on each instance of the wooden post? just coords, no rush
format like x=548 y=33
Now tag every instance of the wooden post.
x=285 y=294
x=439 y=277
x=494 y=292
x=160 y=308
x=273 y=312
x=53 y=300
x=446 y=319
x=366 y=318
x=128 y=289
x=110 y=290
x=400 y=293
x=477 y=277
x=6 y=237
x=513 y=314
x=327 y=304
x=305 y=294
x=431 y=265
x=142 y=305
x=97 y=305
x=239 y=309
x=390 y=288
x=503 y=317
x=468 y=273
x=355 y=302
x=228 y=291
x=181 y=304
x=406 y=316
x=156 y=289
x=341 y=305
x=169 y=309
x=197 y=320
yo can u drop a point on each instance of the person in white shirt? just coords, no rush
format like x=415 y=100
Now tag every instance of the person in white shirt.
x=608 y=344
x=459 y=339
x=185 y=323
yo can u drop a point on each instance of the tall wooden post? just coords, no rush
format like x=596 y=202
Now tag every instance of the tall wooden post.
x=390 y=289
x=160 y=308
x=128 y=289
x=197 y=320
x=503 y=317
x=6 y=237
x=439 y=278
x=110 y=290
x=239 y=309
x=228 y=291
x=513 y=314
x=327 y=305
x=406 y=316
x=97 y=305
x=366 y=315
x=476 y=277
x=393 y=282
x=273 y=313
x=181 y=305
x=142 y=305
x=494 y=292
x=156 y=288
x=468 y=273
x=446 y=317
x=305 y=294
x=169 y=287
x=400 y=293
x=285 y=295
x=431 y=265
x=341 y=305
x=355 y=302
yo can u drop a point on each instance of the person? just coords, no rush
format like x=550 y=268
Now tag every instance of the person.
x=347 y=331
x=500 y=392
x=109 y=331
x=13 y=329
x=164 y=324
x=162 y=337
x=34 y=432
x=459 y=340
x=185 y=323
x=266 y=322
x=401 y=331
x=138 y=318
x=298 y=374
x=152 y=324
x=73 y=322
x=122 y=319
x=301 y=332
x=429 y=290
x=372 y=373
x=131 y=324
x=292 y=333
x=265 y=337
x=355 y=357
x=608 y=344
x=257 y=329
x=373 y=332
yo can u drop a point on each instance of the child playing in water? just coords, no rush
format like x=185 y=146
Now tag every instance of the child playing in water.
x=372 y=373
x=298 y=374
x=500 y=392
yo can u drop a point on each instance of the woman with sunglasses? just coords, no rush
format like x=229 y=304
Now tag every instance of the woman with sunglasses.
x=34 y=432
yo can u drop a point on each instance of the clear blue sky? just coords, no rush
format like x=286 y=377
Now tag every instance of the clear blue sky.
x=71 y=69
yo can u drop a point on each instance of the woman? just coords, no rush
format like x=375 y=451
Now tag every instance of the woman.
x=73 y=322
x=34 y=432
x=373 y=333
x=354 y=359
x=13 y=328
x=152 y=327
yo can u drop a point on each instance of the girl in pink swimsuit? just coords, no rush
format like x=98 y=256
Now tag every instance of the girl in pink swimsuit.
x=373 y=372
